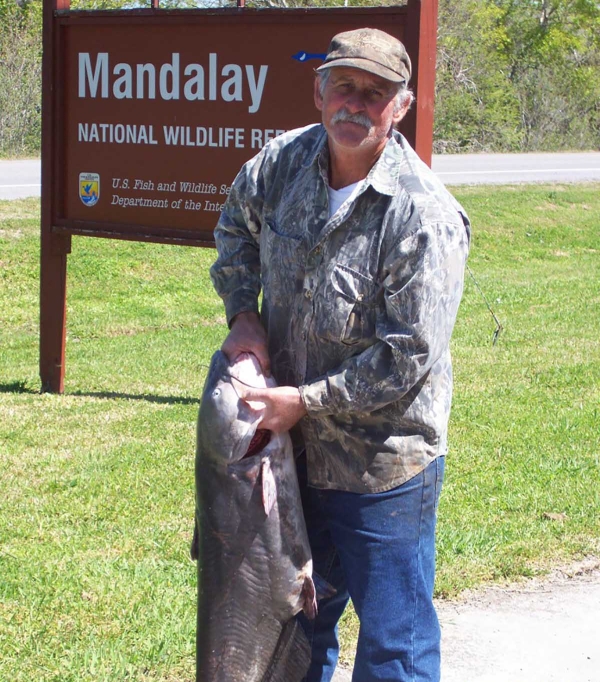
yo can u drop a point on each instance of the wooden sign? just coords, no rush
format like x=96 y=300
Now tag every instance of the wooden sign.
x=148 y=115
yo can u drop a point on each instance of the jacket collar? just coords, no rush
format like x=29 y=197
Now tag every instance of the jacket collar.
x=384 y=175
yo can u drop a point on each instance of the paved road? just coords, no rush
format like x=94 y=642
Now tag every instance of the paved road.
x=22 y=178
x=465 y=169
x=19 y=179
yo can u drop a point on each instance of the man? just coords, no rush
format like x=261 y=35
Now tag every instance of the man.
x=360 y=254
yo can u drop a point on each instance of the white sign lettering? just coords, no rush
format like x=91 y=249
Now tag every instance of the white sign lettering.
x=232 y=83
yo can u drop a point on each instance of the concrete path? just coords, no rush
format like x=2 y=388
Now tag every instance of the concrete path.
x=543 y=630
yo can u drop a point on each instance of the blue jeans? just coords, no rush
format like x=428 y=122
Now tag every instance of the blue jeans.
x=379 y=550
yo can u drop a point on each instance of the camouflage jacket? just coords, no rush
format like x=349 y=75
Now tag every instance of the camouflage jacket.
x=358 y=308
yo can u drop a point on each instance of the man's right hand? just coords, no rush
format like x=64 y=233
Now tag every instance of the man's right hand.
x=247 y=335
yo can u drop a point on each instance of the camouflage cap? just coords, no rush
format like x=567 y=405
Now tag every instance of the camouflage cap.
x=372 y=50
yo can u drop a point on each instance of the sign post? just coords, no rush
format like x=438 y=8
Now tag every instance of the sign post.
x=54 y=247
x=149 y=114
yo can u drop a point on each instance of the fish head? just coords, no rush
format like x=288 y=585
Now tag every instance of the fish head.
x=227 y=424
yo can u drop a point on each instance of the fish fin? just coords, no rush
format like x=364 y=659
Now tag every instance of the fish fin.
x=322 y=587
x=269 y=487
x=291 y=658
x=308 y=598
x=194 y=545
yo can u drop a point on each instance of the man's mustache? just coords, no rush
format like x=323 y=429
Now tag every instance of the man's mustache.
x=344 y=115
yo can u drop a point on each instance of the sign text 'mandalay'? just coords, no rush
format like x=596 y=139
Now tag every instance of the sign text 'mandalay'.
x=231 y=83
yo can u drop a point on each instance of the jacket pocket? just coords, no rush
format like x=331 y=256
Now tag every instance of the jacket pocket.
x=280 y=256
x=357 y=299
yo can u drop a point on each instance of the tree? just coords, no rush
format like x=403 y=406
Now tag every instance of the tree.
x=511 y=74
x=554 y=56
x=518 y=75
x=476 y=106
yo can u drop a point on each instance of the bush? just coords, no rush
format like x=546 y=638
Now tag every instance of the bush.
x=20 y=84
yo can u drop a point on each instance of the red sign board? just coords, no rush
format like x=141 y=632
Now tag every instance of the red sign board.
x=150 y=114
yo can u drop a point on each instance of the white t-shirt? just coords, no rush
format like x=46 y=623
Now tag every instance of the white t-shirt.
x=338 y=196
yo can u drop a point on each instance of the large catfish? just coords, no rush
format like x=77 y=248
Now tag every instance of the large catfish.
x=254 y=561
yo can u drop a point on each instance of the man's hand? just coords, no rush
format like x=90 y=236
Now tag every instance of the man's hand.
x=247 y=335
x=283 y=405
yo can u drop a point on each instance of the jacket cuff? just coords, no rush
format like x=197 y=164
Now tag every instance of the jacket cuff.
x=240 y=302
x=316 y=399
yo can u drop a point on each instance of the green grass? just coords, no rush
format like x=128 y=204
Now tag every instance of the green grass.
x=96 y=485
x=525 y=436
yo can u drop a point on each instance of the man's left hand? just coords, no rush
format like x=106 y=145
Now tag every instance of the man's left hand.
x=283 y=406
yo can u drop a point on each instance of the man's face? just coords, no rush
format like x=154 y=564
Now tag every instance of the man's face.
x=358 y=108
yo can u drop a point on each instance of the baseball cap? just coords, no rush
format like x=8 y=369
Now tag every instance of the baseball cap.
x=372 y=50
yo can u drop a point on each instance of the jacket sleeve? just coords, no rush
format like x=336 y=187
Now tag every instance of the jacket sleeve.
x=422 y=280
x=236 y=272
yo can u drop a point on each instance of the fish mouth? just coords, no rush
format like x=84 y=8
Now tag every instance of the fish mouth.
x=252 y=439
x=260 y=440
x=257 y=439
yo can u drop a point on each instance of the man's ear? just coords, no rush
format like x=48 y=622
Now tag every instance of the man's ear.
x=317 y=94
x=401 y=113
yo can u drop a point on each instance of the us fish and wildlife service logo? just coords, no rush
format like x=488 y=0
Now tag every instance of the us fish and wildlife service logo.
x=89 y=188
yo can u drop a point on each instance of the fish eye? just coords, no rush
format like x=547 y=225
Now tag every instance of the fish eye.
x=216 y=392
